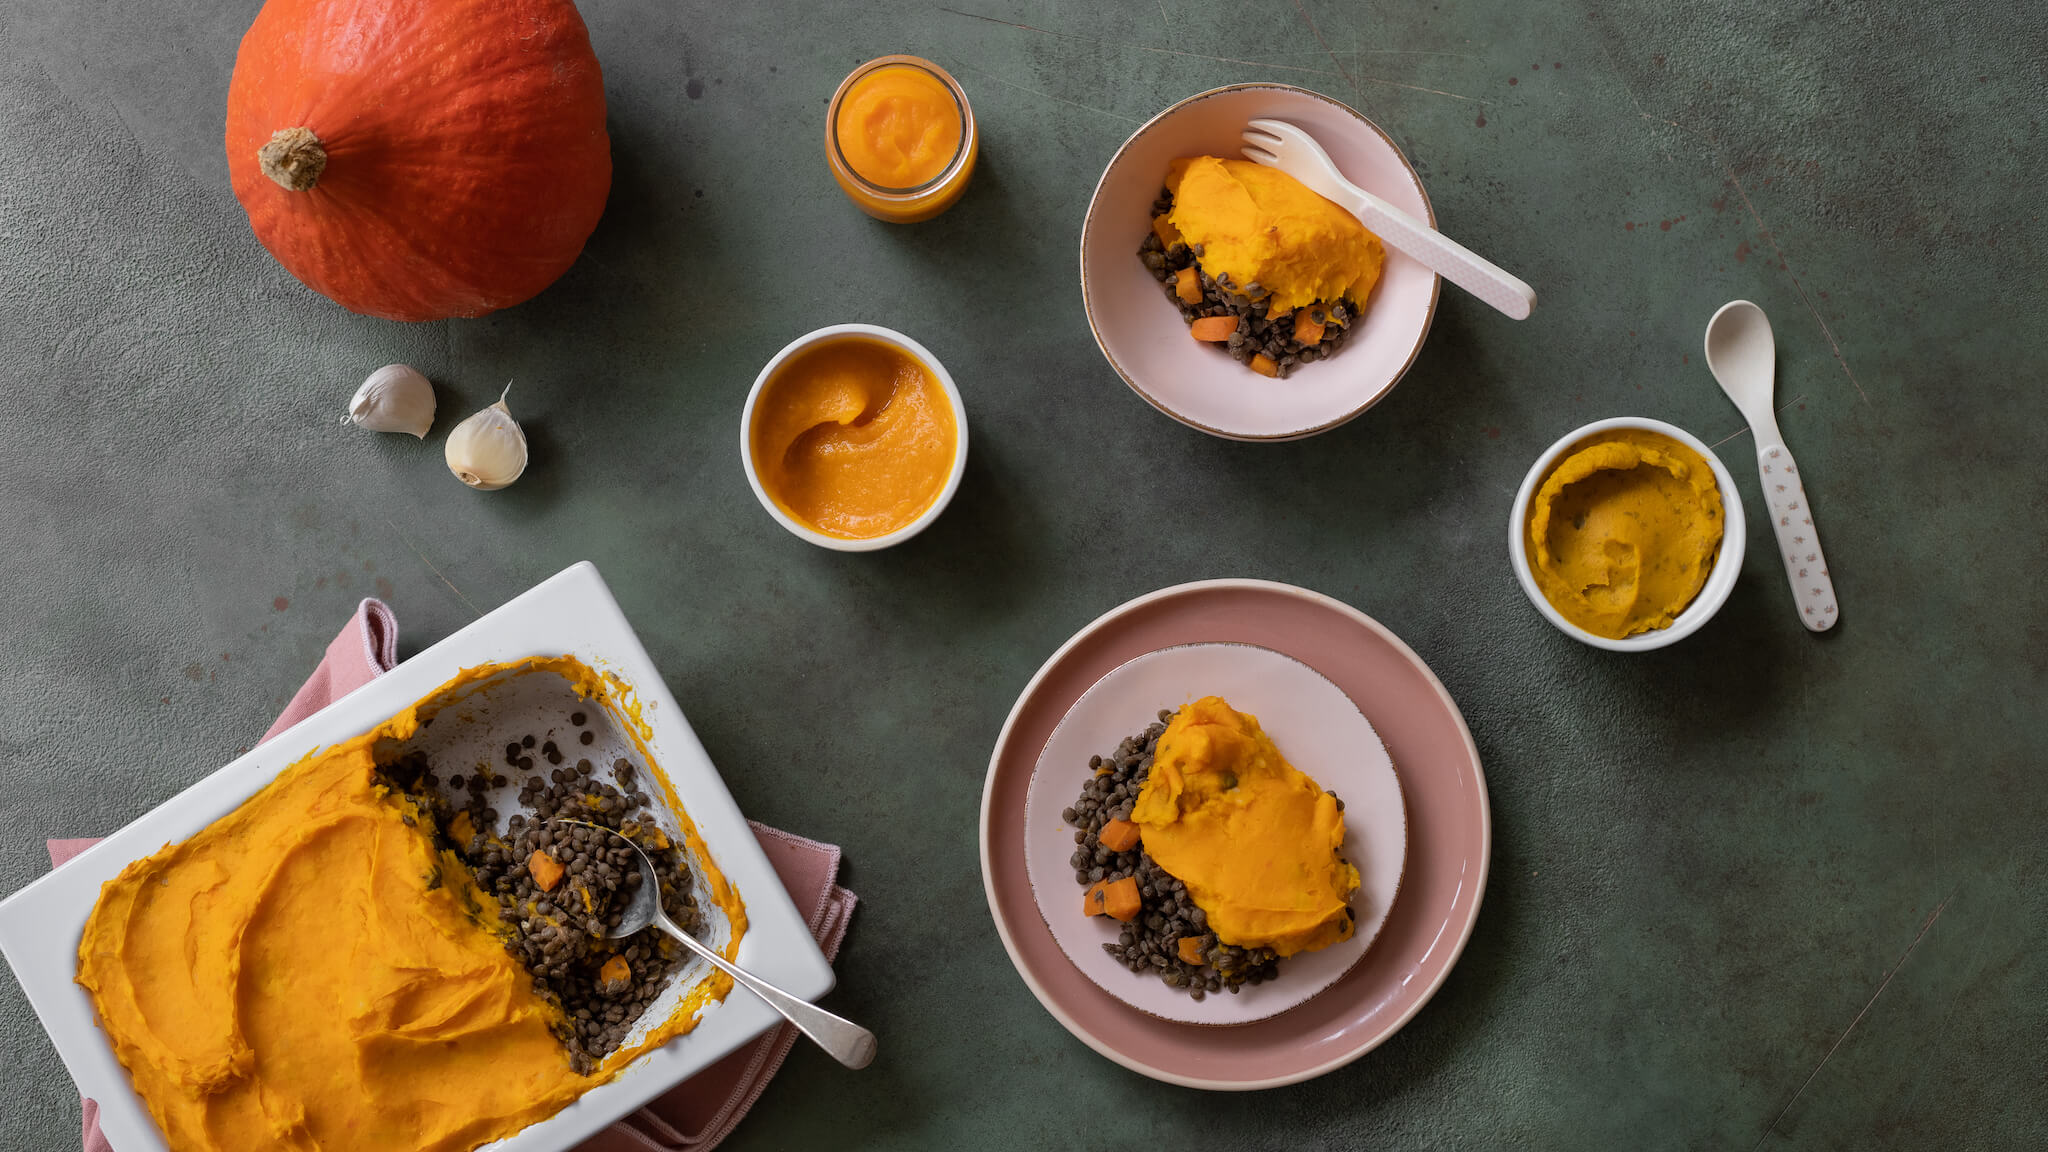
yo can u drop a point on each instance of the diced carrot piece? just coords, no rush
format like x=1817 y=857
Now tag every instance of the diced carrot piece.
x=1187 y=284
x=1162 y=227
x=1190 y=949
x=1308 y=329
x=615 y=970
x=1214 y=329
x=1093 y=902
x=546 y=872
x=1120 y=899
x=1119 y=836
x=1265 y=365
x=462 y=829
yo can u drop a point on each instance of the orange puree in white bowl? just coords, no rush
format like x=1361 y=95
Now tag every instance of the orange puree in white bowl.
x=853 y=437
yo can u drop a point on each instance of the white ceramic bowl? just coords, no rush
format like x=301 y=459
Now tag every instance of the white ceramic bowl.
x=1714 y=593
x=1143 y=335
x=916 y=352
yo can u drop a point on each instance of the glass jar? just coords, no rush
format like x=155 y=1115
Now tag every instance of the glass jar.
x=900 y=138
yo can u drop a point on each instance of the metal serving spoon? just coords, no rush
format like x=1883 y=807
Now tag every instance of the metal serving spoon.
x=842 y=1039
x=1278 y=144
x=1742 y=355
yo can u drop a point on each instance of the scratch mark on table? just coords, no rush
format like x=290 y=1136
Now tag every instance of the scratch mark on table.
x=1419 y=88
x=1782 y=408
x=1631 y=94
x=1138 y=47
x=1970 y=966
x=1050 y=96
x=1756 y=217
x=430 y=567
x=1372 y=52
x=1882 y=985
x=1302 y=11
x=1833 y=345
x=1165 y=20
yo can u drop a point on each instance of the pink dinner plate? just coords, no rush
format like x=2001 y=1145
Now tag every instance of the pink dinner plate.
x=1449 y=835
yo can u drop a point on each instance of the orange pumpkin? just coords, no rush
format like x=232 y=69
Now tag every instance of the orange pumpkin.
x=418 y=159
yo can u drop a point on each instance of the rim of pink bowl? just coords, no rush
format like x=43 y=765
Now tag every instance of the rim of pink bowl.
x=1460 y=907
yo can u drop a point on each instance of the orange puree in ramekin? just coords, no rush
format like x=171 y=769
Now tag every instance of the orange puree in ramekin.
x=853 y=437
x=1623 y=533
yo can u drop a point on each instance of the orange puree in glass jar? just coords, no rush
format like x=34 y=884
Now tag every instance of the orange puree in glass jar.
x=900 y=138
x=899 y=126
x=853 y=438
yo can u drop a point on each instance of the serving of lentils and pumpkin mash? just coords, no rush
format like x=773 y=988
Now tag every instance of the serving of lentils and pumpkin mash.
x=1219 y=857
x=351 y=960
x=1257 y=263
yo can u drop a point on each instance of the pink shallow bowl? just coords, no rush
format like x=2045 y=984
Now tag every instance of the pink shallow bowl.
x=1450 y=836
x=1143 y=335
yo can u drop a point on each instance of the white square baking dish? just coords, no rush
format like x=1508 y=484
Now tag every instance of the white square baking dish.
x=572 y=613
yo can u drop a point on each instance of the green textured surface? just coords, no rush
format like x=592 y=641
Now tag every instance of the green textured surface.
x=1761 y=889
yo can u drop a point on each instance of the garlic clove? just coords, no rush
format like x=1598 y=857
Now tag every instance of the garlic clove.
x=395 y=398
x=488 y=450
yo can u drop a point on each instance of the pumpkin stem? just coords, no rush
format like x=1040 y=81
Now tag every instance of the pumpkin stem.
x=293 y=158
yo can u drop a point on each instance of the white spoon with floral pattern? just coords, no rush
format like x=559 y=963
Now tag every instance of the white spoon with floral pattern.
x=1742 y=355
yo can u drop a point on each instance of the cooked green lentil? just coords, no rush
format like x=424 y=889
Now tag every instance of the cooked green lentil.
x=560 y=935
x=1150 y=943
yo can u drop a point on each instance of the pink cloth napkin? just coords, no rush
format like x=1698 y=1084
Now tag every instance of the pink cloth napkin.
x=702 y=1110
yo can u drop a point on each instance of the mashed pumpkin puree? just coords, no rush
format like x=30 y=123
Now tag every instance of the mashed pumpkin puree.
x=899 y=126
x=1258 y=225
x=1253 y=838
x=311 y=972
x=854 y=438
x=900 y=139
x=1624 y=531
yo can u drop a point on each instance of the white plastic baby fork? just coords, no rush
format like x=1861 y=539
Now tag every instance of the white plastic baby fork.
x=1278 y=144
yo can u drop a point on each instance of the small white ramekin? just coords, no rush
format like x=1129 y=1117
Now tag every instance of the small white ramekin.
x=916 y=352
x=1714 y=593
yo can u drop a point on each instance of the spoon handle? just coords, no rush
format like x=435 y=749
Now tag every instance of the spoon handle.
x=1798 y=543
x=842 y=1039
